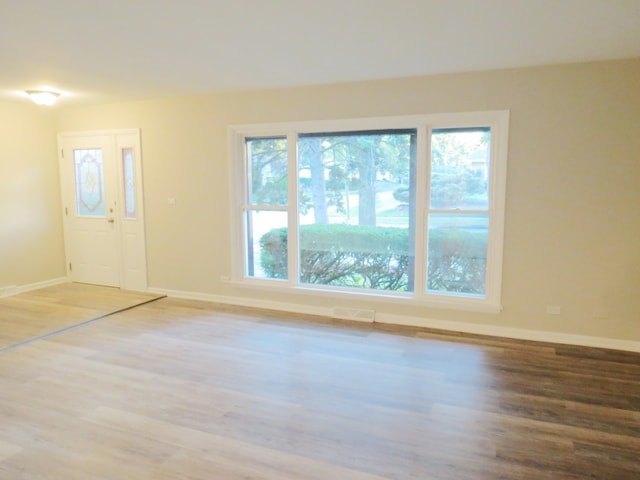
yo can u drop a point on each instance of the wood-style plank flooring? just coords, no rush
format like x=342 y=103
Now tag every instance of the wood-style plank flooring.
x=39 y=312
x=185 y=390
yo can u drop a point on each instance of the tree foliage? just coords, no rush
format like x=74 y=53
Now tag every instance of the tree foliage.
x=333 y=167
x=344 y=163
x=268 y=171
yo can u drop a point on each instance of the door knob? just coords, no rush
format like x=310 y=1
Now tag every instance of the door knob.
x=110 y=220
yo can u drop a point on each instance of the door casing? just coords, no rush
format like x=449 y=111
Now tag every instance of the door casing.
x=128 y=232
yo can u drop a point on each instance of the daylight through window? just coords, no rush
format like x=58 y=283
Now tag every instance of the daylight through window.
x=412 y=209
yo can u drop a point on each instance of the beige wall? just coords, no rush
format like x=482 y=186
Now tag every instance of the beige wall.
x=573 y=207
x=31 y=242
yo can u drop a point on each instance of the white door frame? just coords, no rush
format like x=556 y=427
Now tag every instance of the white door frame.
x=130 y=230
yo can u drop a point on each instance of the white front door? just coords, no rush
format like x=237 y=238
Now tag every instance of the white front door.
x=102 y=199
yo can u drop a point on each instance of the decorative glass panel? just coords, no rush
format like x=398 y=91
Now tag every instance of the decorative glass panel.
x=460 y=169
x=266 y=244
x=267 y=171
x=129 y=183
x=457 y=253
x=89 y=180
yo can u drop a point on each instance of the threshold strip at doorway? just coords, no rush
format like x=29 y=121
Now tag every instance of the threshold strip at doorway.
x=53 y=333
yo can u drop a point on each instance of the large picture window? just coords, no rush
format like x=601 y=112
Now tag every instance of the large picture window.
x=409 y=207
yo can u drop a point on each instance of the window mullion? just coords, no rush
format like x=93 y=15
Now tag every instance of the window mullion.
x=459 y=211
x=293 y=254
x=422 y=196
x=269 y=208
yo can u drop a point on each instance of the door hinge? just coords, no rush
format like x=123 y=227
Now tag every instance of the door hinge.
x=62 y=152
x=70 y=267
x=66 y=211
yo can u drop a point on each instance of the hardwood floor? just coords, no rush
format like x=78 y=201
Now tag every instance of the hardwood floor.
x=189 y=390
x=34 y=314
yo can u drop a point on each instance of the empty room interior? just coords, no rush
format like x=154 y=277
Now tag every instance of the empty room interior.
x=350 y=239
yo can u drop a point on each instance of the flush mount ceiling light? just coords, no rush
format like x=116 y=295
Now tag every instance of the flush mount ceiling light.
x=43 y=97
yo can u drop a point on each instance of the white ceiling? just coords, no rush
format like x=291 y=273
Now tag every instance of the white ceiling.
x=105 y=50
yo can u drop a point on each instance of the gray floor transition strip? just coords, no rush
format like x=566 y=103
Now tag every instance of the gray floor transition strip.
x=22 y=343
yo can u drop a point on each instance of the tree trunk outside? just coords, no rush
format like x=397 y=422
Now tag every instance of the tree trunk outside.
x=367 y=190
x=318 y=192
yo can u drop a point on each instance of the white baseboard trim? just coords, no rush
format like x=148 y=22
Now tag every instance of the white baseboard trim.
x=245 y=302
x=16 y=289
x=513 y=333
x=445 y=325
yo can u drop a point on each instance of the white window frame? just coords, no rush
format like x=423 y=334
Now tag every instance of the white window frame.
x=497 y=121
